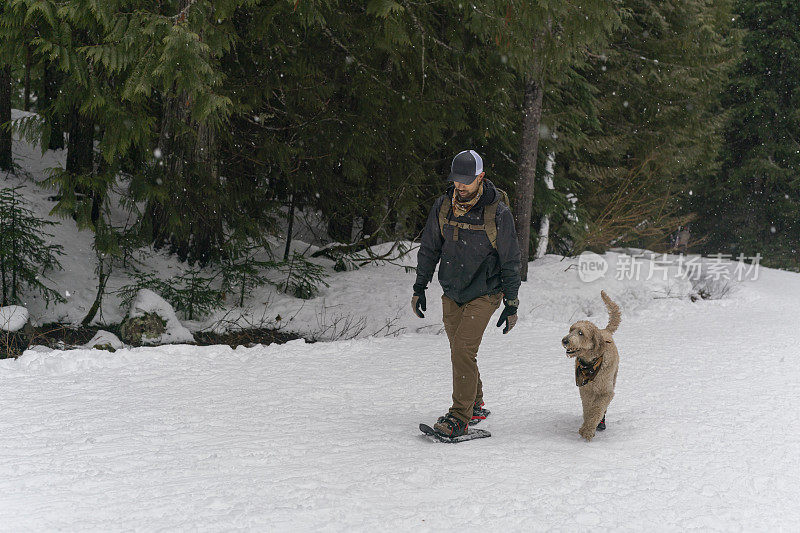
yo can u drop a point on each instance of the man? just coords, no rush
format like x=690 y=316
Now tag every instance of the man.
x=470 y=233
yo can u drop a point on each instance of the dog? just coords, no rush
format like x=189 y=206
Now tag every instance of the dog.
x=596 y=366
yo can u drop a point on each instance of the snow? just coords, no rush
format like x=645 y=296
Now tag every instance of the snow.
x=102 y=338
x=13 y=317
x=147 y=301
x=701 y=433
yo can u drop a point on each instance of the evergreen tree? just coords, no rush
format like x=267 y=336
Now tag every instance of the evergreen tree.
x=643 y=122
x=187 y=207
x=25 y=254
x=356 y=105
x=212 y=116
x=543 y=42
x=751 y=205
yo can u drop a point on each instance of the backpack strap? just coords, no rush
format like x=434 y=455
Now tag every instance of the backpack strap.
x=444 y=220
x=444 y=212
x=490 y=213
x=490 y=223
x=489 y=219
x=464 y=225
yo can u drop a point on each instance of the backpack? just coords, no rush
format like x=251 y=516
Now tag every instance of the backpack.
x=489 y=212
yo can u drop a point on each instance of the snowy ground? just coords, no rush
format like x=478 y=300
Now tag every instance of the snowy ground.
x=701 y=435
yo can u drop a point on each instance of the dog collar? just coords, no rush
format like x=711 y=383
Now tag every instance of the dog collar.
x=586 y=372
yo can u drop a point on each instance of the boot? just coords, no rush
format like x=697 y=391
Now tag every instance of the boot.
x=478 y=412
x=450 y=426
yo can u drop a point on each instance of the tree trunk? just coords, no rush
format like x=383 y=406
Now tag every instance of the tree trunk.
x=52 y=83
x=340 y=226
x=101 y=288
x=290 y=217
x=544 y=224
x=27 y=84
x=208 y=226
x=6 y=159
x=523 y=200
x=3 y=276
x=369 y=227
x=15 y=265
x=391 y=222
x=80 y=146
x=172 y=161
x=4 y=227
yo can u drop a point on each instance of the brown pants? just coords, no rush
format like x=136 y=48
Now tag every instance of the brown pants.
x=465 y=326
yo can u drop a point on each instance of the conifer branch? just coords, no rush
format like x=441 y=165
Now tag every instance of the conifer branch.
x=183 y=13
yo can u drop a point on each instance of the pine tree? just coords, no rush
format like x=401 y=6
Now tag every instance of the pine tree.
x=25 y=254
x=356 y=104
x=544 y=41
x=22 y=25
x=751 y=205
x=647 y=121
x=188 y=212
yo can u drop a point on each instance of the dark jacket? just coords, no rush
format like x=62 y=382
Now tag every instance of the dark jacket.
x=470 y=267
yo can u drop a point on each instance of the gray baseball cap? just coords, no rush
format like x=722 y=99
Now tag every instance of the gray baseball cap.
x=465 y=167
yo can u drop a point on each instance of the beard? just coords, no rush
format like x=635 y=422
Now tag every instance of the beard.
x=465 y=196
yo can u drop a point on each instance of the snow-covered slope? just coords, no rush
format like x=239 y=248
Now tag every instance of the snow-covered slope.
x=372 y=301
x=701 y=434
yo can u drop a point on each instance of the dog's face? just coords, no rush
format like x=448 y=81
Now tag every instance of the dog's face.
x=582 y=340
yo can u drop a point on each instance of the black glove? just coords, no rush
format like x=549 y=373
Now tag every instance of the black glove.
x=418 y=303
x=509 y=316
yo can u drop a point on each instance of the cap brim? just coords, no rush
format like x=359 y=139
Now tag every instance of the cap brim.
x=466 y=180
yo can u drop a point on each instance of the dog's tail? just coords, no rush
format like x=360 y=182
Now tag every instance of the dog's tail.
x=614 y=316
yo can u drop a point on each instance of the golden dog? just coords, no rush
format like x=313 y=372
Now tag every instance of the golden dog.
x=596 y=365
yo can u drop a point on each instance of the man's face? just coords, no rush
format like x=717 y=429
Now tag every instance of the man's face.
x=466 y=192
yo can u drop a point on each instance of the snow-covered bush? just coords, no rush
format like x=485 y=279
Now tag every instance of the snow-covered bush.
x=711 y=288
x=105 y=340
x=151 y=320
x=16 y=330
x=13 y=318
x=190 y=293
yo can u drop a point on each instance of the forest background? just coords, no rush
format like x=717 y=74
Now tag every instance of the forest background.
x=216 y=124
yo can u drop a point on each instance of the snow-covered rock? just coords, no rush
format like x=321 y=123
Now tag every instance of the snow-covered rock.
x=13 y=317
x=39 y=348
x=140 y=326
x=105 y=340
